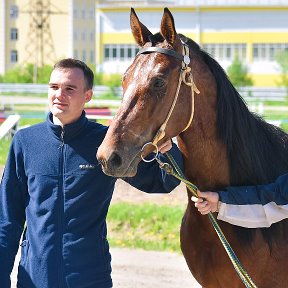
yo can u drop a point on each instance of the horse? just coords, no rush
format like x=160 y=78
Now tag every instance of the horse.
x=224 y=144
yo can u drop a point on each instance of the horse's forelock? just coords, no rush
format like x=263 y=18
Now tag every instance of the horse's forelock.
x=156 y=38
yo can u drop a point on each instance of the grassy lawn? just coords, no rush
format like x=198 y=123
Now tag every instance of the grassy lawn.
x=4 y=148
x=146 y=226
x=13 y=94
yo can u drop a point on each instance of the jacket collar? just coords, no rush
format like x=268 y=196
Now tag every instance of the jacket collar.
x=70 y=130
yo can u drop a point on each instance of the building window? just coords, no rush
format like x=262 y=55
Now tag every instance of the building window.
x=129 y=52
x=13 y=34
x=106 y=52
x=114 y=52
x=14 y=11
x=121 y=52
x=267 y=51
x=14 y=56
x=226 y=51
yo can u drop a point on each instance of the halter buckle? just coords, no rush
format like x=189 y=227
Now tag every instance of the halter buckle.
x=186 y=59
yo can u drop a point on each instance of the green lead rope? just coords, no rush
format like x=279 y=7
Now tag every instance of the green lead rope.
x=177 y=173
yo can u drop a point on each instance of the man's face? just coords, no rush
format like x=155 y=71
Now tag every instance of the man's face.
x=67 y=95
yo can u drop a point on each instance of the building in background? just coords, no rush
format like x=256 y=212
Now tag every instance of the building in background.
x=44 y=31
x=98 y=31
x=254 y=30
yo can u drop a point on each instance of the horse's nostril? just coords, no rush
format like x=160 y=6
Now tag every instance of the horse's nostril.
x=103 y=163
x=115 y=160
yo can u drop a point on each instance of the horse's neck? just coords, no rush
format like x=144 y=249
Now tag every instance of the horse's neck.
x=205 y=160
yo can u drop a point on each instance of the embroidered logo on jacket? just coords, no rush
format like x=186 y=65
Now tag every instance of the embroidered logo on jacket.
x=87 y=166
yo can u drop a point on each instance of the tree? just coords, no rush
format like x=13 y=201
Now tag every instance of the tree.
x=238 y=75
x=282 y=60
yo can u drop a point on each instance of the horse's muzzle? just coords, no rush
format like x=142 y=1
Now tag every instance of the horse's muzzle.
x=116 y=164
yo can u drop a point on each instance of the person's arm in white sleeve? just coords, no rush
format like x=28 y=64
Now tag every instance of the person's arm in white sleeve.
x=248 y=206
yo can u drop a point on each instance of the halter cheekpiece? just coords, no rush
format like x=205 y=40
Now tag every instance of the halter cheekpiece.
x=185 y=76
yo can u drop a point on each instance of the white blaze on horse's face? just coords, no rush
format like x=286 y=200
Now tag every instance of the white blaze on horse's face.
x=128 y=93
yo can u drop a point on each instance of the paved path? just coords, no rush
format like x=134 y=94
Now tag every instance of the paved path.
x=145 y=269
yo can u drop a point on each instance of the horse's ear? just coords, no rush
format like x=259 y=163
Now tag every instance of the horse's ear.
x=140 y=32
x=167 y=28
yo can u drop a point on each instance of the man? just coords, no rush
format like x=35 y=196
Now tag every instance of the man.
x=248 y=206
x=53 y=185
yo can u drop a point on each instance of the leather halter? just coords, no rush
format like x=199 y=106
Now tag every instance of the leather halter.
x=184 y=74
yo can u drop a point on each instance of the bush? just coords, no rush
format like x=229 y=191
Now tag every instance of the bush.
x=237 y=73
x=44 y=74
x=112 y=81
x=25 y=74
x=282 y=60
x=17 y=75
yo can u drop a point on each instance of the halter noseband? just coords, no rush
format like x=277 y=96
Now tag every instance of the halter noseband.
x=185 y=71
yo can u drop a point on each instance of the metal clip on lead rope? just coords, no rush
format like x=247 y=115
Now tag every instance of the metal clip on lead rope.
x=156 y=153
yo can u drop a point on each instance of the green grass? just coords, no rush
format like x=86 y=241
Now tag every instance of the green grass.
x=276 y=103
x=4 y=149
x=30 y=121
x=43 y=95
x=267 y=102
x=6 y=141
x=285 y=127
x=147 y=226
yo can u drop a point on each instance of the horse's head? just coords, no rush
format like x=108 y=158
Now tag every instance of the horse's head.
x=151 y=86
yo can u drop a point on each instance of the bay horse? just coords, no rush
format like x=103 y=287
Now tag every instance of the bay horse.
x=224 y=145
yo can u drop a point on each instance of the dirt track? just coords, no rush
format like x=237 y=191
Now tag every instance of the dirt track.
x=127 y=193
x=145 y=269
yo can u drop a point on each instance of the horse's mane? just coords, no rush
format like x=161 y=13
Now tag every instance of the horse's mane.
x=257 y=150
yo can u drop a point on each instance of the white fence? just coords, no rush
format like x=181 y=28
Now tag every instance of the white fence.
x=8 y=102
x=43 y=88
x=264 y=93
x=261 y=93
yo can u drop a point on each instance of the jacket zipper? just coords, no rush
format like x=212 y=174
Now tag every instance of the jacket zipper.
x=61 y=208
x=62 y=138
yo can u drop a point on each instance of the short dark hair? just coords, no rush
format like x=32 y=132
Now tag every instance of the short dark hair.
x=75 y=63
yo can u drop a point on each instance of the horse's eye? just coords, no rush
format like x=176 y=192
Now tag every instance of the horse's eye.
x=158 y=83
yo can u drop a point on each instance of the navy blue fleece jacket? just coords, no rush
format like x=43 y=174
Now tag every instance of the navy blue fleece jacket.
x=52 y=181
x=255 y=206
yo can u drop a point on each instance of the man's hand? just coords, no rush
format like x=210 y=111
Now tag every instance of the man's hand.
x=206 y=202
x=165 y=147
